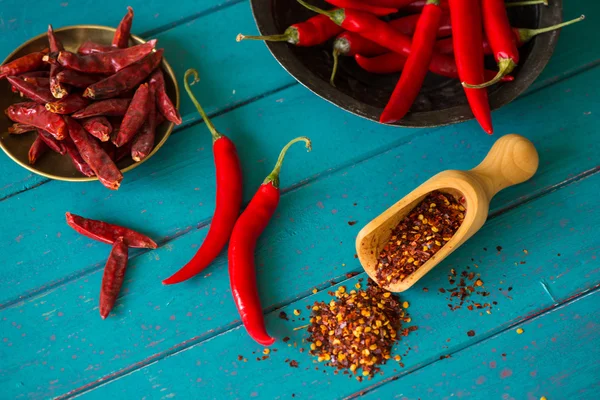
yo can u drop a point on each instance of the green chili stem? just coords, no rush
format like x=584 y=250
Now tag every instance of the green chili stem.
x=274 y=175
x=526 y=35
x=336 y=58
x=316 y=9
x=434 y=2
x=526 y=3
x=270 y=38
x=213 y=131
x=506 y=66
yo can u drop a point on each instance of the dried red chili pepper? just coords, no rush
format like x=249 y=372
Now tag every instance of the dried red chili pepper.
x=89 y=47
x=99 y=127
x=114 y=275
x=102 y=63
x=143 y=143
x=110 y=149
x=468 y=52
x=103 y=166
x=30 y=62
x=35 y=74
x=123 y=151
x=40 y=81
x=313 y=31
x=38 y=148
x=36 y=115
x=229 y=196
x=31 y=90
x=53 y=144
x=363 y=6
x=57 y=89
x=78 y=162
x=134 y=117
x=108 y=233
x=247 y=229
x=18 y=128
x=111 y=108
x=121 y=38
x=78 y=79
x=126 y=79
x=163 y=102
x=410 y=82
x=350 y=44
x=68 y=105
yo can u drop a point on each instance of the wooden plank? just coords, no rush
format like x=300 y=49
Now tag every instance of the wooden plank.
x=316 y=247
x=339 y=142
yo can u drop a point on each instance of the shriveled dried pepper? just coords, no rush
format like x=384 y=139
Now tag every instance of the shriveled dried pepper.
x=30 y=90
x=126 y=79
x=111 y=108
x=54 y=145
x=78 y=79
x=36 y=115
x=35 y=74
x=108 y=233
x=78 y=162
x=89 y=47
x=68 y=105
x=121 y=38
x=91 y=152
x=30 y=62
x=98 y=127
x=144 y=141
x=163 y=102
x=18 y=128
x=58 y=90
x=38 y=148
x=40 y=81
x=114 y=275
x=134 y=117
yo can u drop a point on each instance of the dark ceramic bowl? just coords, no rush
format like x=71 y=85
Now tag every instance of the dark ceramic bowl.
x=441 y=101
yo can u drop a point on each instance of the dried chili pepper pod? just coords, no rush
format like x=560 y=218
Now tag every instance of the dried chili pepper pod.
x=363 y=6
x=163 y=102
x=114 y=275
x=247 y=229
x=57 y=89
x=124 y=80
x=99 y=127
x=78 y=162
x=103 y=166
x=40 y=81
x=121 y=38
x=53 y=144
x=78 y=79
x=18 y=128
x=229 y=196
x=30 y=90
x=68 y=105
x=110 y=108
x=134 y=117
x=108 y=233
x=27 y=63
x=89 y=47
x=38 y=148
x=35 y=74
x=143 y=143
x=36 y=115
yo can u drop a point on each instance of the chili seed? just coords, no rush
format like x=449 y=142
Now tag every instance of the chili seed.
x=520 y=330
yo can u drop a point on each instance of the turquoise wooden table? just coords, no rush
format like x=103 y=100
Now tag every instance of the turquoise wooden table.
x=537 y=254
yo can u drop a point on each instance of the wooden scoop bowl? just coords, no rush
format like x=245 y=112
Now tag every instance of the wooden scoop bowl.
x=512 y=160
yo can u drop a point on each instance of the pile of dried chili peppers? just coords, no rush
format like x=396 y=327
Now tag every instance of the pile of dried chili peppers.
x=97 y=105
x=446 y=37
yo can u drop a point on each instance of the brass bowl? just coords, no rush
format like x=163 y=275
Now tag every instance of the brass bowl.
x=53 y=165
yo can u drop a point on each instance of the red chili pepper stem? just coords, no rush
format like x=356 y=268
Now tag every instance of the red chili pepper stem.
x=526 y=3
x=290 y=35
x=525 y=35
x=337 y=15
x=273 y=177
x=186 y=82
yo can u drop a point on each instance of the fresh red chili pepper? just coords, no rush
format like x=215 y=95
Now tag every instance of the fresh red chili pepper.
x=126 y=79
x=103 y=166
x=36 y=115
x=229 y=196
x=38 y=148
x=363 y=6
x=57 y=89
x=68 y=105
x=134 y=117
x=121 y=38
x=34 y=92
x=247 y=229
x=89 y=47
x=30 y=62
x=413 y=75
x=78 y=79
x=350 y=44
x=143 y=143
x=313 y=31
x=18 y=128
x=108 y=233
x=468 y=53
x=114 y=275
x=163 y=102
x=102 y=63
x=53 y=144
x=78 y=162
x=392 y=3
x=111 y=108
x=407 y=25
x=98 y=127
x=417 y=6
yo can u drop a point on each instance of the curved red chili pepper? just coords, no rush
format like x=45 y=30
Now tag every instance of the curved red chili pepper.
x=363 y=6
x=89 y=47
x=311 y=32
x=108 y=233
x=350 y=44
x=414 y=72
x=38 y=148
x=242 y=271
x=114 y=275
x=229 y=196
x=27 y=63
x=57 y=89
x=121 y=38
x=468 y=53
x=407 y=25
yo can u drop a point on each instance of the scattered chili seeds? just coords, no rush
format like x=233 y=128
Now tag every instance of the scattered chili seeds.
x=296 y=312
x=421 y=234
x=520 y=330
x=266 y=351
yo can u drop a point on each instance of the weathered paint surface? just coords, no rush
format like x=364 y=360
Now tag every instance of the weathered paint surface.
x=184 y=341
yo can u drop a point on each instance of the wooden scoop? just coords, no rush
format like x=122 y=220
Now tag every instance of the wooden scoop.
x=512 y=160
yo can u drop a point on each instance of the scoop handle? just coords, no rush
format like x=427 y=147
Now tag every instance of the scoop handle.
x=512 y=159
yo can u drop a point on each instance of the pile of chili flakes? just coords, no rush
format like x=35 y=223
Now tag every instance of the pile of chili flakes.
x=421 y=234
x=357 y=329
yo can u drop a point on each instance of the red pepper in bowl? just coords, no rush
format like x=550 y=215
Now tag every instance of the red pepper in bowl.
x=68 y=105
x=53 y=144
x=36 y=115
x=121 y=37
x=27 y=63
x=30 y=90
x=38 y=148
x=58 y=90
x=110 y=108
x=350 y=44
x=134 y=117
x=163 y=102
x=363 y=6
x=89 y=47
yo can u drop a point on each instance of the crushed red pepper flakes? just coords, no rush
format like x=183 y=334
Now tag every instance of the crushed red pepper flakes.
x=421 y=234
x=351 y=223
x=471 y=333
x=294 y=364
x=283 y=316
